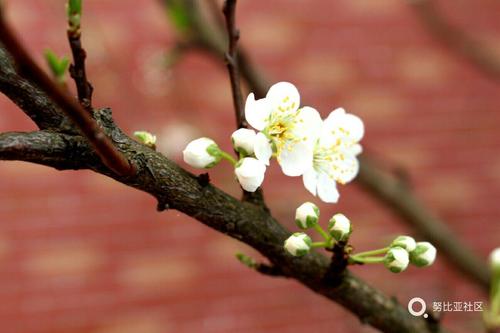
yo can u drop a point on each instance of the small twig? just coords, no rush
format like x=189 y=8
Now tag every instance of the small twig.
x=108 y=153
x=232 y=62
x=231 y=57
x=457 y=40
x=77 y=70
x=266 y=269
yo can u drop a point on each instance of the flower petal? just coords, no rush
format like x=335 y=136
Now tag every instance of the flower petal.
x=295 y=158
x=262 y=148
x=327 y=189
x=348 y=169
x=310 y=180
x=340 y=124
x=257 y=112
x=309 y=125
x=283 y=96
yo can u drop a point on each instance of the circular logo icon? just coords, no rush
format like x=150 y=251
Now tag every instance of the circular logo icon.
x=423 y=307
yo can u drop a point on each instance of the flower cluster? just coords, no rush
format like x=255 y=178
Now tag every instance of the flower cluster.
x=402 y=251
x=307 y=217
x=323 y=152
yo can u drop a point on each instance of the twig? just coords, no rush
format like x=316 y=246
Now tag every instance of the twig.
x=232 y=63
x=77 y=69
x=110 y=156
x=231 y=57
x=457 y=40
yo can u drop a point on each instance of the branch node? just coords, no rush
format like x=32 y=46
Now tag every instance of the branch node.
x=203 y=179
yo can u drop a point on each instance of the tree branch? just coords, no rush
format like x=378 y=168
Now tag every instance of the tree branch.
x=456 y=40
x=28 y=97
x=60 y=151
x=246 y=222
x=77 y=69
x=29 y=69
x=231 y=62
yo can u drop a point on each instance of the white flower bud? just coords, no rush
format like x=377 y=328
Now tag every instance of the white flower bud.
x=340 y=227
x=202 y=153
x=298 y=244
x=495 y=260
x=423 y=255
x=396 y=259
x=307 y=215
x=243 y=141
x=146 y=138
x=250 y=173
x=406 y=242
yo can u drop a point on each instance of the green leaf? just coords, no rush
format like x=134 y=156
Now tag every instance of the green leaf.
x=178 y=14
x=58 y=66
x=74 y=7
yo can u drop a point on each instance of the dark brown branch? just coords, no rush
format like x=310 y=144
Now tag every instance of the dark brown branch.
x=457 y=40
x=77 y=70
x=61 y=151
x=29 y=69
x=232 y=63
x=178 y=189
x=28 y=97
x=402 y=202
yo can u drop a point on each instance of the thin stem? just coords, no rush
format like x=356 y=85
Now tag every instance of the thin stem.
x=106 y=150
x=322 y=232
x=372 y=252
x=229 y=158
x=320 y=244
x=77 y=69
x=367 y=260
x=232 y=62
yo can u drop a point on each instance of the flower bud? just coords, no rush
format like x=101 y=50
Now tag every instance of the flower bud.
x=202 y=153
x=243 y=141
x=298 y=244
x=406 y=242
x=250 y=173
x=307 y=215
x=340 y=227
x=145 y=138
x=396 y=259
x=495 y=260
x=423 y=255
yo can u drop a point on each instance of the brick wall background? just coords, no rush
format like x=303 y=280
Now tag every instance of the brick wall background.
x=81 y=253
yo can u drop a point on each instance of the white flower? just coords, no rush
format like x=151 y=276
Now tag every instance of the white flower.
x=495 y=259
x=335 y=155
x=307 y=215
x=285 y=129
x=250 y=173
x=298 y=244
x=340 y=227
x=146 y=138
x=396 y=259
x=202 y=153
x=406 y=242
x=244 y=140
x=423 y=255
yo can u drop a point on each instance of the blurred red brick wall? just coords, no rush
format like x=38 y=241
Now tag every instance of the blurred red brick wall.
x=81 y=253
